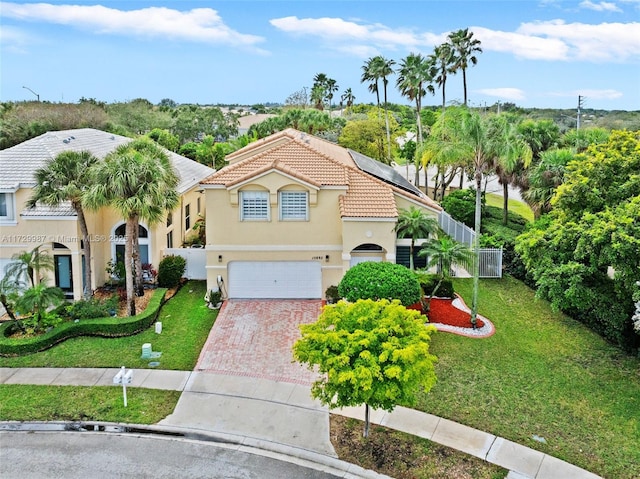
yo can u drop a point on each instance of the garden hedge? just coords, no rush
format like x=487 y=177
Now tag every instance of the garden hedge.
x=110 y=327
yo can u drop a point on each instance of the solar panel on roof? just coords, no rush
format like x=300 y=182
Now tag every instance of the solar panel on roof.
x=383 y=172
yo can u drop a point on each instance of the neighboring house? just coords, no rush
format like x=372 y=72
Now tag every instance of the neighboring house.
x=247 y=121
x=291 y=213
x=22 y=229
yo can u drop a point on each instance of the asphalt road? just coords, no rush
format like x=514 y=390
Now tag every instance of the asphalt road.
x=62 y=455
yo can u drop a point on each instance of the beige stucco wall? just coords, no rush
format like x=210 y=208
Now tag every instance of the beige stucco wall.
x=31 y=232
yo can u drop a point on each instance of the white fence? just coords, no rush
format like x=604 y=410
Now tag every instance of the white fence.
x=196 y=261
x=490 y=264
x=458 y=231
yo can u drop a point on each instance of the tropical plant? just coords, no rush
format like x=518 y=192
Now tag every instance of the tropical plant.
x=139 y=181
x=368 y=352
x=545 y=178
x=464 y=47
x=37 y=300
x=473 y=139
x=442 y=252
x=414 y=223
x=29 y=265
x=348 y=97
x=171 y=270
x=10 y=290
x=414 y=81
x=65 y=178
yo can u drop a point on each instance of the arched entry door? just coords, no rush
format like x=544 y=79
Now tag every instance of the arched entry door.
x=367 y=252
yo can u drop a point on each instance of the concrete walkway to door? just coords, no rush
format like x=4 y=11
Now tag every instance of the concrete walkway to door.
x=254 y=338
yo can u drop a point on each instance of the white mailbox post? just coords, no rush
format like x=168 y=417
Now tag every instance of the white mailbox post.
x=123 y=377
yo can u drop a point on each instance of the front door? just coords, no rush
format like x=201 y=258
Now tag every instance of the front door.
x=63 y=273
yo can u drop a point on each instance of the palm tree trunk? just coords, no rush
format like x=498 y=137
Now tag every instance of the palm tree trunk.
x=137 y=263
x=411 y=255
x=464 y=84
x=86 y=249
x=130 y=227
x=476 y=247
x=505 y=204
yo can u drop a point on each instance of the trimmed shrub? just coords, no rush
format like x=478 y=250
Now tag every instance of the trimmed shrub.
x=377 y=280
x=105 y=327
x=429 y=281
x=171 y=270
x=461 y=205
x=90 y=308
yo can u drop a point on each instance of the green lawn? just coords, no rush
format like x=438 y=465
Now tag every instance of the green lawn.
x=516 y=206
x=186 y=322
x=75 y=403
x=541 y=374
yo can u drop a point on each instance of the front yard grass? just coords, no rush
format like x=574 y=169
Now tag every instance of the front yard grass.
x=541 y=374
x=75 y=403
x=186 y=322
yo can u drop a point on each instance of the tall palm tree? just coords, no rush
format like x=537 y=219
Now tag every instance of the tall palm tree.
x=139 y=181
x=65 y=178
x=414 y=81
x=464 y=47
x=383 y=69
x=370 y=75
x=414 y=223
x=443 y=252
x=332 y=87
x=347 y=97
x=472 y=139
x=508 y=166
x=443 y=60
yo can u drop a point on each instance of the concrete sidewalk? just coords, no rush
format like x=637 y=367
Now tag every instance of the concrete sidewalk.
x=283 y=413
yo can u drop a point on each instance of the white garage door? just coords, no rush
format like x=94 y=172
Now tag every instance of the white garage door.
x=275 y=279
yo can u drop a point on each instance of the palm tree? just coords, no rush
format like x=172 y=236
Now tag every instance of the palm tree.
x=64 y=179
x=332 y=87
x=471 y=139
x=370 y=71
x=414 y=81
x=443 y=60
x=30 y=264
x=38 y=299
x=464 y=47
x=10 y=289
x=509 y=166
x=544 y=179
x=139 y=181
x=414 y=223
x=443 y=252
x=380 y=68
x=348 y=97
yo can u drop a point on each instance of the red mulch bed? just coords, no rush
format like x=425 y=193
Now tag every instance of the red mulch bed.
x=443 y=311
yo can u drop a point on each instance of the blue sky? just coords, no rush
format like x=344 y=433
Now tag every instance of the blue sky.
x=540 y=53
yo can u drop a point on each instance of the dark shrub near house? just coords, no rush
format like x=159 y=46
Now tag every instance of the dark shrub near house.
x=374 y=280
x=171 y=270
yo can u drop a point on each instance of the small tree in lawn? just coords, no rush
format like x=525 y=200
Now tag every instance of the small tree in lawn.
x=442 y=253
x=369 y=352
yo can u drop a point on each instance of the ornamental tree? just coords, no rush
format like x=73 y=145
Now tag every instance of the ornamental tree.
x=378 y=280
x=368 y=352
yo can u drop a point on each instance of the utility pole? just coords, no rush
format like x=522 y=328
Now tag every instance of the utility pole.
x=580 y=104
x=36 y=94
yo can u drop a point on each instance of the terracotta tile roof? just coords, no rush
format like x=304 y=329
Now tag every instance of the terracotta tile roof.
x=320 y=163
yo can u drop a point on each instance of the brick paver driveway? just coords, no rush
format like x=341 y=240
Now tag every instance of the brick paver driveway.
x=254 y=338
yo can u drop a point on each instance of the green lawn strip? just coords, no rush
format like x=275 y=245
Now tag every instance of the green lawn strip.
x=516 y=206
x=404 y=456
x=186 y=322
x=75 y=403
x=541 y=374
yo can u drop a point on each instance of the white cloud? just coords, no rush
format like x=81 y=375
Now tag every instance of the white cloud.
x=506 y=93
x=363 y=38
x=201 y=25
x=13 y=39
x=521 y=45
x=600 y=6
x=597 y=43
x=608 y=94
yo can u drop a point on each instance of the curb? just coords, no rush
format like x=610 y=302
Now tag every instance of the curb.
x=264 y=448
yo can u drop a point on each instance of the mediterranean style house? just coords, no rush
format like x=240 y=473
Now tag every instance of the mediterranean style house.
x=291 y=213
x=56 y=228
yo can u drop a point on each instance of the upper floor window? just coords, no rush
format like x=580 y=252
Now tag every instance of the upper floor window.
x=7 y=210
x=294 y=205
x=169 y=218
x=187 y=217
x=254 y=205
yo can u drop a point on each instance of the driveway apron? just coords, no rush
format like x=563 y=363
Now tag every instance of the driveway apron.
x=254 y=338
